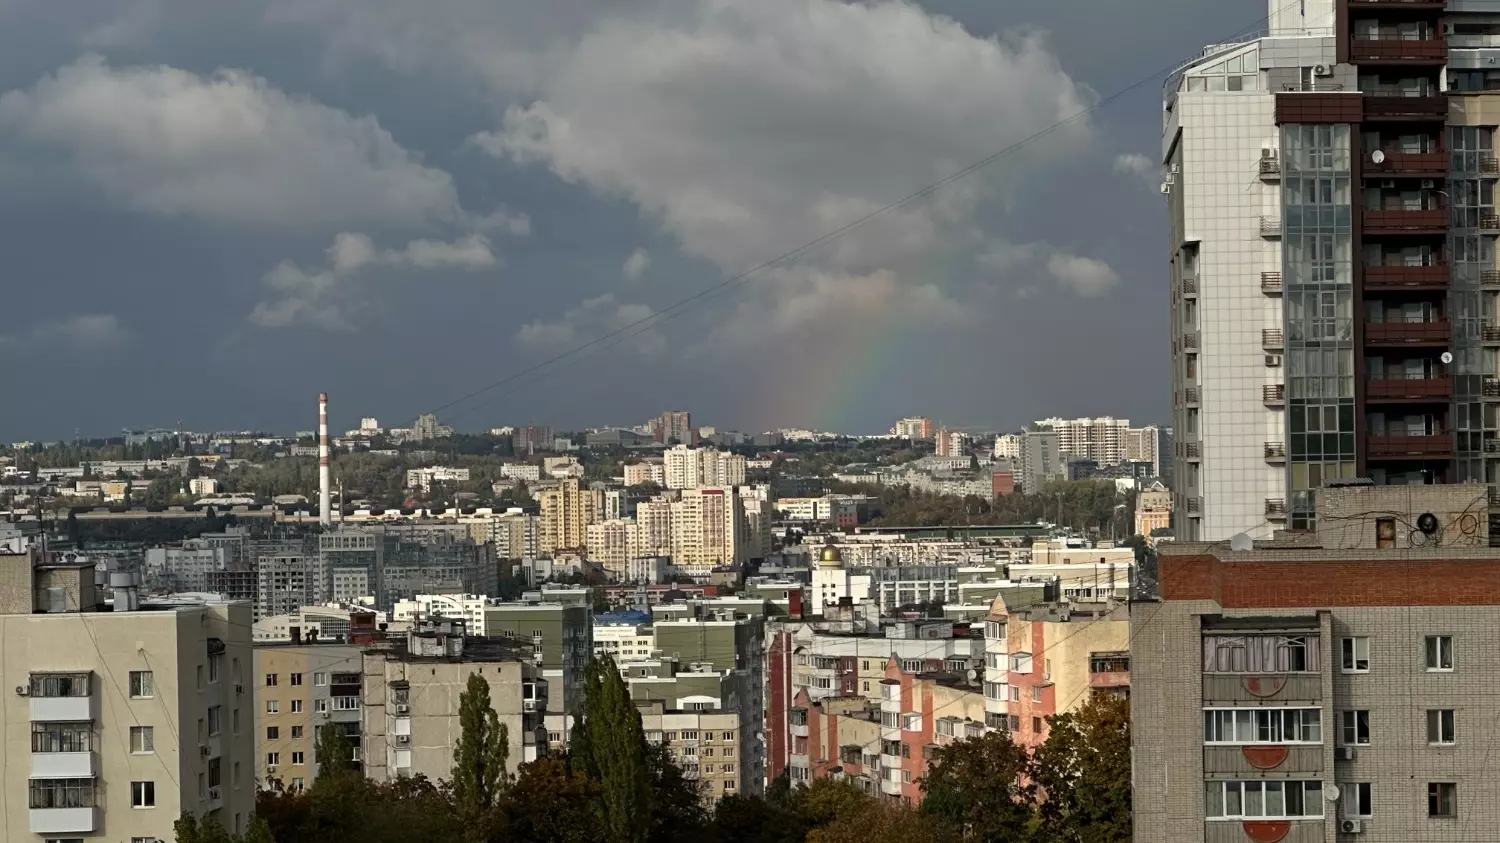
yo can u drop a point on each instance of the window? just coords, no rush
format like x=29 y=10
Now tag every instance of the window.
x=1439 y=652
x=200 y=677
x=296 y=706
x=62 y=793
x=1015 y=693
x=296 y=732
x=1440 y=726
x=143 y=794
x=1355 y=726
x=270 y=680
x=142 y=685
x=273 y=758
x=142 y=740
x=60 y=737
x=1356 y=800
x=298 y=783
x=1356 y=655
x=299 y=758
x=320 y=679
x=346 y=703
x=273 y=706
x=273 y=733
x=236 y=718
x=906 y=776
x=60 y=685
x=1036 y=693
x=1036 y=725
x=215 y=719
x=320 y=706
x=296 y=678
x=145 y=840
x=215 y=667
x=1260 y=654
x=1442 y=799
x=1262 y=725
x=1274 y=800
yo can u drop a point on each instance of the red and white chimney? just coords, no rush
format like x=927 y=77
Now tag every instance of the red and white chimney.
x=324 y=514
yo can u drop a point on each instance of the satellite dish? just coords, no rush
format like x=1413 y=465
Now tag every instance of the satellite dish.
x=1331 y=792
x=1378 y=157
x=1446 y=357
x=1241 y=541
x=972 y=674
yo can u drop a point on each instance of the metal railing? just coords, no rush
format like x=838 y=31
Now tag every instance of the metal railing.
x=1489 y=278
x=1273 y=393
x=1275 y=451
x=1276 y=507
x=1271 y=338
x=1270 y=166
x=1270 y=282
x=1190 y=395
x=1190 y=286
x=1270 y=227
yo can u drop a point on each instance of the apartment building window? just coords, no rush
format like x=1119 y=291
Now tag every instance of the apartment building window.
x=1356 y=799
x=1442 y=799
x=235 y=716
x=1015 y=692
x=1356 y=655
x=145 y=840
x=273 y=706
x=1036 y=725
x=1262 y=725
x=1355 y=727
x=143 y=794
x=200 y=677
x=296 y=732
x=273 y=758
x=1440 y=726
x=142 y=685
x=215 y=667
x=1439 y=653
x=142 y=740
x=320 y=679
x=1036 y=693
x=62 y=793
x=296 y=706
x=270 y=680
x=60 y=737
x=1260 y=654
x=1269 y=800
x=215 y=719
x=273 y=733
x=346 y=703
x=320 y=706
x=296 y=678
x=299 y=758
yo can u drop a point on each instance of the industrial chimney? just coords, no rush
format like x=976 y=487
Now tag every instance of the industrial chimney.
x=324 y=516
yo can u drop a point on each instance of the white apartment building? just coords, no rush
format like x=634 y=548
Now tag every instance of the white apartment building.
x=609 y=545
x=624 y=642
x=689 y=468
x=521 y=471
x=423 y=478
x=125 y=716
x=1101 y=439
x=708 y=530
x=202 y=486
x=1008 y=447
x=285 y=583
x=185 y=568
x=468 y=608
x=651 y=471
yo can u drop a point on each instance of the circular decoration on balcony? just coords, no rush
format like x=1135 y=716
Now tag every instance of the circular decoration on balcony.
x=1264 y=686
x=1265 y=757
x=1267 y=831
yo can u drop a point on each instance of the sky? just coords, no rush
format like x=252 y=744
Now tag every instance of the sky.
x=210 y=212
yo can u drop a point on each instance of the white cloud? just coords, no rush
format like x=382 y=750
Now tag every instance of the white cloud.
x=1085 y=276
x=321 y=297
x=1135 y=164
x=504 y=221
x=79 y=332
x=636 y=265
x=591 y=319
x=228 y=147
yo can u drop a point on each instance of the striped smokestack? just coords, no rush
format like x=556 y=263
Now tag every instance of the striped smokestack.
x=324 y=515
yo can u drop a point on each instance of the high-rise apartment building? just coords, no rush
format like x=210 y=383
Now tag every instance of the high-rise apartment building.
x=709 y=529
x=689 y=468
x=567 y=509
x=914 y=428
x=951 y=443
x=674 y=426
x=1102 y=439
x=302 y=687
x=126 y=714
x=1334 y=316
x=1008 y=447
x=1041 y=459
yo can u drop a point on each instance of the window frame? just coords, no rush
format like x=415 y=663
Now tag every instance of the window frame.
x=142 y=685
x=1278 y=724
x=143 y=795
x=1435 y=726
x=1435 y=794
x=1349 y=654
x=1353 y=714
x=1355 y=800
x=1434 y=648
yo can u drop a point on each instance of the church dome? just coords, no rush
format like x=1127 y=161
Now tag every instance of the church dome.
x=830 y=557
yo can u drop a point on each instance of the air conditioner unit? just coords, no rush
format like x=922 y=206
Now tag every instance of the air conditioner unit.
x=1428 y=184
x=1322 y=70
x=403 y=739
x=403 y=709
x=1351 y=827
x=1273 y=360
x=1344 y=753
x=22 y=691
x=1176 y=168
x=1166 y=188
x=1267 y=154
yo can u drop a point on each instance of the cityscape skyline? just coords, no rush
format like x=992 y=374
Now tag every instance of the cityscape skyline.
x=446 y=251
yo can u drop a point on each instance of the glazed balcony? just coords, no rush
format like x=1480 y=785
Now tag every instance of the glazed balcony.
x=1408 y=447
x=1417 y=164
x=1403 y=221
x=1408 y=333
x=1270 y=282
x=1398 y=51
x=1409 y=389
x=1397 y=107
x=1429 y=277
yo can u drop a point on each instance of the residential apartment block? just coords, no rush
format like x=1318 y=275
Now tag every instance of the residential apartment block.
x=302 y=688
x=1334 y=316
x=1331 y=686
x=126 y=714
x=689 y=468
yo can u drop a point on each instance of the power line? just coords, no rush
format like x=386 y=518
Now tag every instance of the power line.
x=573 y=355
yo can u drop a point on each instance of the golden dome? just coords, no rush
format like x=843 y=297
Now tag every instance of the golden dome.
x=830 y=557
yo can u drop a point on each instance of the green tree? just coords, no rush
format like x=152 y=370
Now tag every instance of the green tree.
x=975 y=788
x=609 y=747
x=483 y=746
x=547 y=803
x=189 y=829
x=333 y=752
x=1082 y=774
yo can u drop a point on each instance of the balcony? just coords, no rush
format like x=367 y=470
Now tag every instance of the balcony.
x=1270 y=227
x=1109 y=670
x=1190 y=396
x=1192 y=450
x=1395 y=163
x=1189 y=341
x=1409 y=389
x=1275 y=452
x=1435 y=446
x=1270 y=282
x=1426 y=277
x=64 y=765
x=1276 y=508
x=215 y=797
x=1397 y=107
x=1408 y=333
x=1304 y=760
x=1273 y=393
x=1190 y=288
x=1261 y=689
x=1399 y=51
x=1271 y=339
x=1403 y=221
x=55 y=821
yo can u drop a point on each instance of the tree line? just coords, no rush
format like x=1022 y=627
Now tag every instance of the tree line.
x=612 y=785
x=1085 y=505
